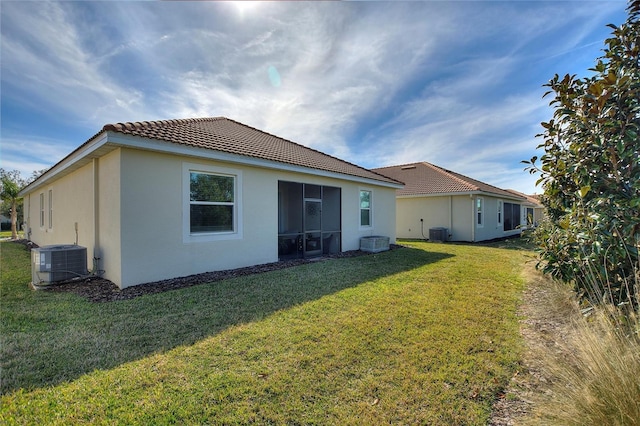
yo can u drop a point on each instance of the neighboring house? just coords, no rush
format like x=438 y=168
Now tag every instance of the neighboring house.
x=532 y=209
x=468 y=209
x=5 y=222
x=163 y=199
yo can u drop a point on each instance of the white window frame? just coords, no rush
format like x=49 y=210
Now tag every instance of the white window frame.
x=51 y=209
x=42 y=210
x=500 y=212
x=370 y=191
x=479 y=212
x=236 y=233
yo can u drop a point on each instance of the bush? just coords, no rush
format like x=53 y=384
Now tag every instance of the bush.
x=591 y=174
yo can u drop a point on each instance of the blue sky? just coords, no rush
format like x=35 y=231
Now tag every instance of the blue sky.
x=457 y=84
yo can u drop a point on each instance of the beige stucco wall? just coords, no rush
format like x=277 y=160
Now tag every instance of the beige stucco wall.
x=538 y=214
x=153 y=246
x=463 y=216
x=72 y=203
x=109 y=217
x=139 y=204
x=152 y=209
x=456 y=213
x=451 y=212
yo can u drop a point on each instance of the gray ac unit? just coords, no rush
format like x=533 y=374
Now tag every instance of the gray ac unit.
x=57 y=263
x=438 y=234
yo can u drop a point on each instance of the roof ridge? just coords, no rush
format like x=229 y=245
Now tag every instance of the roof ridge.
x=528 y=197
x=131 y=125
x=455 y=176
x=463 y=182
x=309 y=148
x=477 y=188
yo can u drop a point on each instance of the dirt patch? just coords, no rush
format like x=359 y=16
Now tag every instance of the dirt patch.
x=98 y=290
x=544 y=326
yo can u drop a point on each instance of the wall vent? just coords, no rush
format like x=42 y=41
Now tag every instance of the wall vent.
x=57 y=263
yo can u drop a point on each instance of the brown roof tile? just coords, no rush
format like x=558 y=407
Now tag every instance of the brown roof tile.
x=229 y=136
x=427 y=179
x=533 y=199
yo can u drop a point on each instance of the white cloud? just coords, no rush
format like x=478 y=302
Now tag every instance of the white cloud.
x=53 y=68
x=29 y=155
x=375 y=83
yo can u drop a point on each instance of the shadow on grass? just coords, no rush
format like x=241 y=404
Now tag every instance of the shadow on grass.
x=50 y=338
x=511 y=243
x=523 y=243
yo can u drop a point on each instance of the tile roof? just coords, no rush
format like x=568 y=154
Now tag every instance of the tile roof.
x=427 y=179
x=533 y=199
x=229 y=136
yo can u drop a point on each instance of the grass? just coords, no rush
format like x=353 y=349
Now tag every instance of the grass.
x=593 y=371
x=7 y=234
x=422 y=335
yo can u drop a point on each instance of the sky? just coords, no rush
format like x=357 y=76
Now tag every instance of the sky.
x=377 y=83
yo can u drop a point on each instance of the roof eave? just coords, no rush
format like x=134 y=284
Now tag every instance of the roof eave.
x=157 y=145
x=93 y=148
x=107 y=140
x=462 y=193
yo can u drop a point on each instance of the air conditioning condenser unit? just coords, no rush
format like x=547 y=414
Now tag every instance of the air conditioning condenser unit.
x=438 y=234
x=57 y=263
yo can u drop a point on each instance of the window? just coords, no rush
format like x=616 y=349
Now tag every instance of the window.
x=211 y=203
x=50 y=208
x=480 y=211
x=365 y=208
x=511 y=216
x=499 y=213
x=42 y=210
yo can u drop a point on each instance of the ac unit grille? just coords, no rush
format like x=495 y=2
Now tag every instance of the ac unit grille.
x=58 y=263
x=438 y=234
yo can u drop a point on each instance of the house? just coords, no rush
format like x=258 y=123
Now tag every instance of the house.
x=5 y=222
x=445 y=202
x=532 y=209
x=155 y=200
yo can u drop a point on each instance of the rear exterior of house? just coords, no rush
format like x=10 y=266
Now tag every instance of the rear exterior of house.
x=532 y=209
x=158 y=200
x=435 y=199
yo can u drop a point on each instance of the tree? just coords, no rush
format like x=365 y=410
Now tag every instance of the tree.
x=590 y=172
x=11 y=184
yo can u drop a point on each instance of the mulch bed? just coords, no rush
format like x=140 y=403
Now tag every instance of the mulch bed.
x=96 y=289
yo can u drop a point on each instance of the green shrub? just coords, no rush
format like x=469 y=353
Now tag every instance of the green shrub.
x=590 y=171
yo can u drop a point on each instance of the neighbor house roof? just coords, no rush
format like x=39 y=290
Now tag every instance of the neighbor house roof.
x=531 y=199
x=426 y=179
x=218 y=134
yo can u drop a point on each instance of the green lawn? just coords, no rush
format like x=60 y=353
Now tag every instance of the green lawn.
x=7 y=234
x=421 y=335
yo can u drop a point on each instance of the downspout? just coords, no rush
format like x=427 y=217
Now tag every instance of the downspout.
x=96 y=215
x=450 y=216
x=473 y=219
x=27 y=229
